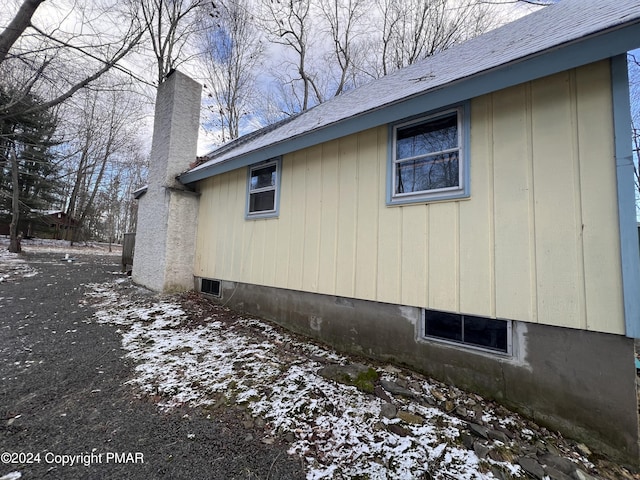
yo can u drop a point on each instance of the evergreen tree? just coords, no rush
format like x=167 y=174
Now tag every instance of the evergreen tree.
x=27 y=169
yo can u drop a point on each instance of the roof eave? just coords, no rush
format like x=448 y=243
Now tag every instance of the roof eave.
x=140 y=192
x=598 y=46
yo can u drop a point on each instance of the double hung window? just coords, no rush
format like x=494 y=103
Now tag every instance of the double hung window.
x=262 y=191
x=428 y=158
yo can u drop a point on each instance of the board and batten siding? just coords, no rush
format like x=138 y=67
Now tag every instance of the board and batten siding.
x=536 y=241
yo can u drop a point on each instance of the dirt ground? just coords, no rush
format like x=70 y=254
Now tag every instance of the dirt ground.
x=70 y=407
x=64 y=396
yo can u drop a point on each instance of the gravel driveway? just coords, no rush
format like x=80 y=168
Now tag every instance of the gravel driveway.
x=64 y=396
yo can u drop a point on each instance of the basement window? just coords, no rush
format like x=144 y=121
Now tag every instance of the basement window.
x=478 y=332
x=211 y=287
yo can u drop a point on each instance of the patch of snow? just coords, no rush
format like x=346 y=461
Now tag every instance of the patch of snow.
x=337 y=429
x=12 y=267
x=63 y=246
x=527 y=433
x=11 y=476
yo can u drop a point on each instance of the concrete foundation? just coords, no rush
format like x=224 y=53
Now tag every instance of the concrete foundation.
x=167 y=212
x=580 y=383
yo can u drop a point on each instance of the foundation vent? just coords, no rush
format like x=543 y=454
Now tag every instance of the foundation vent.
x=211 y=287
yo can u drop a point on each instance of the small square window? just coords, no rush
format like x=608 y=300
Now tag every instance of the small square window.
x=262 y=190
x=428 y=159
x=481 y=332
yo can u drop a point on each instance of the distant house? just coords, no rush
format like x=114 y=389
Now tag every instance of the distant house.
x=50 y=224
x=471 y=216
x=41 y=223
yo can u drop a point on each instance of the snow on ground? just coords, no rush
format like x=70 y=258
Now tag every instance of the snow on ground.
x=11 y=476
x=338 y=429
x=12 y=267
x=48 y=245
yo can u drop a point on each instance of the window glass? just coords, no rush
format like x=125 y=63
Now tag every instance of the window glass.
x=262 y=201
x=263 y=177
x=485 y=332
x=262 y=189
x=428 y=160
x=443 y=325
x=430 y=173
x=429 y=137
x=481 y=332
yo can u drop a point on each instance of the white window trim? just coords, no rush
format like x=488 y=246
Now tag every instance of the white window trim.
x=276 y=188
x=449 y=193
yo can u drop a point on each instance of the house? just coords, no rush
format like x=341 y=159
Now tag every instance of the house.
x=41 y=223
x=51 y=223
x=471 y=216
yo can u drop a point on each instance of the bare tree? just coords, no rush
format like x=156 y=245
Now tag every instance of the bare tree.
x=171 y=25
x=36 y=59
x=114 y=205
x=17 y=26
x=414 y=29
x=288 y=23
x=334 y=45
x=132 y=168
x=537 y=3
x=14 y=239
x=103 y=130
x=234 y=50
x=345 y=27
x=39 y=61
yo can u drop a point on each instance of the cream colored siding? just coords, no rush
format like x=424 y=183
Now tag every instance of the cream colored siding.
x=557 y=216
x=602 y=273
x=414 y=284
x=477 y=221
x=368 y=205
x=536 y=241
x=508 y=115
x=346 y=190
x=329 y=216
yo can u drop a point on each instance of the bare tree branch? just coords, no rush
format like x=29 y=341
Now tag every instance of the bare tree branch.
x=288 y=24
x=18 y=25
x=342 y=18
x=7 y=113
x=234 y=52
x=171 y=24
x=84 y=51
x=538 y=3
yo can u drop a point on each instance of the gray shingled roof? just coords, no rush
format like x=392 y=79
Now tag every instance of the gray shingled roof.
x=550 y=28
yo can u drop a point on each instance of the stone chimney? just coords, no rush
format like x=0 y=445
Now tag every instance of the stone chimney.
x=167 y=212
